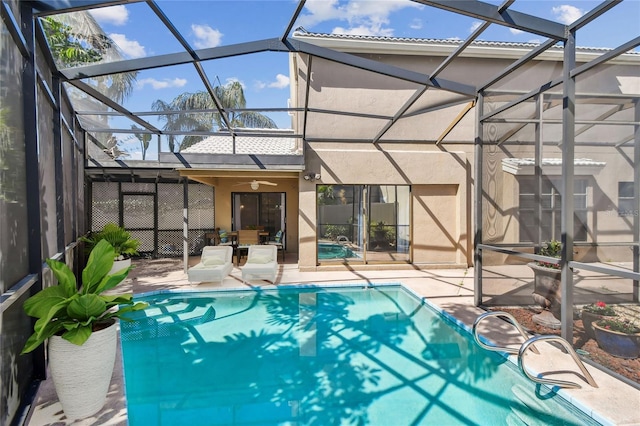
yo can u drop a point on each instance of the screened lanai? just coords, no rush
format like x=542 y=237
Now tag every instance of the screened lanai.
x=485 y=134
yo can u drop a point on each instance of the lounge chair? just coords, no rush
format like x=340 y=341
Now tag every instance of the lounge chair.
x=262 y=262
x=215 y=264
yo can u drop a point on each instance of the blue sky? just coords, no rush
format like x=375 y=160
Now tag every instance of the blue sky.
x=265 y=77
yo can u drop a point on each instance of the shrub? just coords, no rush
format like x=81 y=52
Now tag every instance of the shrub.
x=117 y=236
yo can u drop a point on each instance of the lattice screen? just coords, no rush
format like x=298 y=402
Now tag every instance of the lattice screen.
x=105 y=206
x=139 y=214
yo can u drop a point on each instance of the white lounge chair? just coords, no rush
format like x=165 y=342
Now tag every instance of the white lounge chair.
x=215 y=264
x=262 y=262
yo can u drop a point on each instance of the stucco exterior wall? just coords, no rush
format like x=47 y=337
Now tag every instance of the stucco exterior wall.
x=440 y=183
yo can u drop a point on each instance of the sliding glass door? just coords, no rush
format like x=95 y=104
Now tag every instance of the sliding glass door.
x=363 y=223
x=259 y=210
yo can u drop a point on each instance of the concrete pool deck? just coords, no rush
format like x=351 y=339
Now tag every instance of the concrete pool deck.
x=613 y=402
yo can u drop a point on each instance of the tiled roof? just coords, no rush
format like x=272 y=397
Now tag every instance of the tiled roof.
x=525 y=166
x=451 y=42
x=269 y=145
x=553 y=162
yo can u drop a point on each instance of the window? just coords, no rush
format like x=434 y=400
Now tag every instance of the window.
x=626 y=201
x=550 y=202
x=363 y=223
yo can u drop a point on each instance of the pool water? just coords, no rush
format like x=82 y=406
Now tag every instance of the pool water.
x=334 y=251
x=319 y=356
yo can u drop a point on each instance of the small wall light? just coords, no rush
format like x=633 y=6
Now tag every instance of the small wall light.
x=312 y=176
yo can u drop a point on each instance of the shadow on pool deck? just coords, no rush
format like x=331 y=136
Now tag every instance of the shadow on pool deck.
x=614 y=402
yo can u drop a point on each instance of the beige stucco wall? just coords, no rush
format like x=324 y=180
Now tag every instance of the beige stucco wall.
x=440 y=182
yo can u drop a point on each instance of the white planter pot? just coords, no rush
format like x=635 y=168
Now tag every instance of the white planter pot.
x=82 y=374
x=118 y=265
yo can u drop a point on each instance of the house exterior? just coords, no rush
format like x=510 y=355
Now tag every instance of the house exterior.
x=392 y=186
x=430 y=150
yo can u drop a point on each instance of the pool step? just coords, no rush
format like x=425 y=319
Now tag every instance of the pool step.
x=528 y=409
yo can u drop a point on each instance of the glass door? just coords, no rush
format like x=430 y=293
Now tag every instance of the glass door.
x=259 y=210
x=363 y=223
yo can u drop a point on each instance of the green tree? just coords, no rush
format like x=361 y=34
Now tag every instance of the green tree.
x=66 y=47
x=77 y=39
x=144 y=139
x=231 y=97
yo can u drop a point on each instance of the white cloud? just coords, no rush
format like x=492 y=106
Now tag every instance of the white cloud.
x=567 y=14
x=161 y=84
x=515 y=31
x=131 y=48
x=282 y=82
x=363 y=17
x=474 y=26
x=416 y=24
x=115 y=15
x=205 y=36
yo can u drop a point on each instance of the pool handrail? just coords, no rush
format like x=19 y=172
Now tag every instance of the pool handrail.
x=511 y=319
x=562 y=383
x=529 y=344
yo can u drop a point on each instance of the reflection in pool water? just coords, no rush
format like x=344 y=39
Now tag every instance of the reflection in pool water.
x=310 y=355
x=334 y=251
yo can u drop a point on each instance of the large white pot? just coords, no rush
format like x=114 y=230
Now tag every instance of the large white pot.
x=119 y=265
x=82 y=374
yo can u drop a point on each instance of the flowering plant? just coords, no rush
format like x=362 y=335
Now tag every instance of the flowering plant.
x=551 y=248
x=619 y=325
x=600 y=308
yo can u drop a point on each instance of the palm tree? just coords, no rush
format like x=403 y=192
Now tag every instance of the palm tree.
x=76 y=38
x=231 y=97
x=144 y=139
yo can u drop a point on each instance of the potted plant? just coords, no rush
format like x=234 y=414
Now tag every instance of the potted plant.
x=379 y=235
x=594 y=312
x=619 y=337
x=546 y=285
x=80 y=324
x=120 y=239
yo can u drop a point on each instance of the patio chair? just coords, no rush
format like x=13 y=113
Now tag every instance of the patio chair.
x=215 y=264
x=262 y=262
x=278 y=241
x=246 y=238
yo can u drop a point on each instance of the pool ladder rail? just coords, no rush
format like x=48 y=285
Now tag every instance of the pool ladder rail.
x=529 y=345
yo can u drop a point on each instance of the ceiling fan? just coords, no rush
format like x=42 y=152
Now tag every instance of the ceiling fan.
x=255 y=184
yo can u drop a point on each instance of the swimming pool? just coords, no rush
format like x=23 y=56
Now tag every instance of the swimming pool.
x=334 y=251
x=319 y=356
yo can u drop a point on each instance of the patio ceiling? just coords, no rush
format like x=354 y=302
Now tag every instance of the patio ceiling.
x=444 y=97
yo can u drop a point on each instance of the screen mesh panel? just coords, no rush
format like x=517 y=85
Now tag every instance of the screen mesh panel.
x=105 y=206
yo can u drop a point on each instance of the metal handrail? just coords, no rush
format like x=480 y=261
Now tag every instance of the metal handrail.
x=513 y=322
x=567 y=346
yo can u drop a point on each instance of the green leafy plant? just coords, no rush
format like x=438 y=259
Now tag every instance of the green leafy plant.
x=600 y=308
x=551 y=248
x=119 y=238
x=332 y=232
x=74 y=313
x=620 y=325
